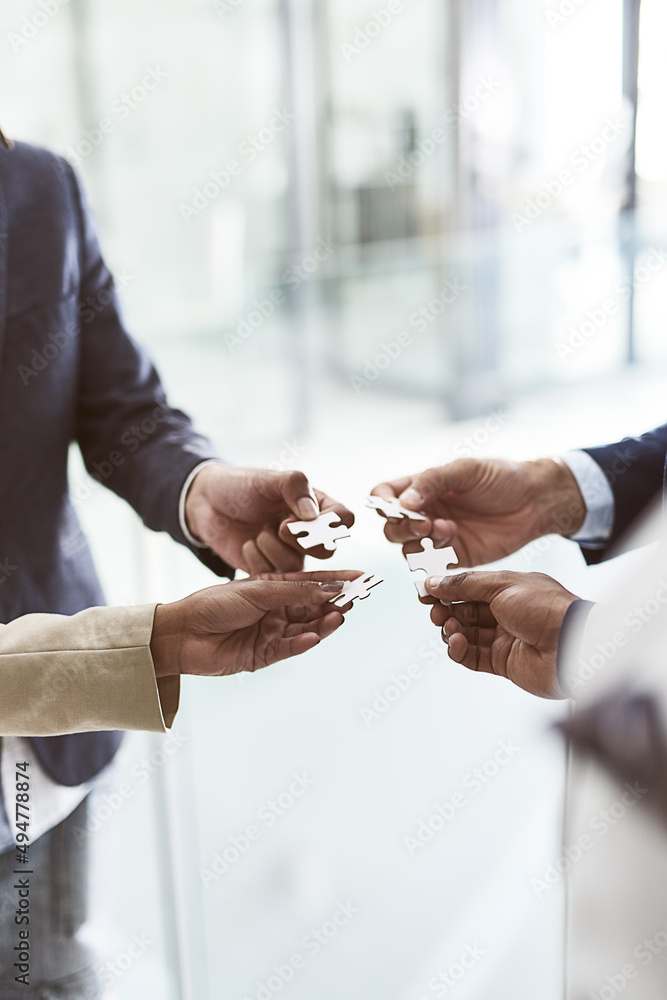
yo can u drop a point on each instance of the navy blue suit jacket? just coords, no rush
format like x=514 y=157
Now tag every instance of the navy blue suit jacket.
x=635 y=470
x=69 y=371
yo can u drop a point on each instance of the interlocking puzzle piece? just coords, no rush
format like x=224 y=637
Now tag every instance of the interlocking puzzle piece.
x=393 y=508
x=434 y=562
x=356 y=589
x=326 y=530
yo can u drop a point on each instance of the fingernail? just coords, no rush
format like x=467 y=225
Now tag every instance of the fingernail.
x=445 y=637
x=307 y=508
x=411 y=496
x=418 y=529
x=333 y=587
x=435 y=581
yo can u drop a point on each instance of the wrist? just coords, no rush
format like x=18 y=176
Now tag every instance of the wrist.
x=167 y=639
x=197 y=505
x=561 y=509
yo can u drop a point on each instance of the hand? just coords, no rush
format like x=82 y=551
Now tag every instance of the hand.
x=507 y=624
x=486 y=508
x=246 y=625
x=242 y=514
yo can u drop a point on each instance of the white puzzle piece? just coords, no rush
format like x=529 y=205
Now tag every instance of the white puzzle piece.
x=326 y=530
x=434 y=562
x=353 y=589
x=393 y=508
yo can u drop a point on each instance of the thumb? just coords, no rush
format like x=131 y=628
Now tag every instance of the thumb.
x=456 y=477
x=298 y=494
x=482 y=587
x=267 y=595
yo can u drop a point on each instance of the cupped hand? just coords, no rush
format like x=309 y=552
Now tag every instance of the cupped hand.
x=242 y=515
x=505 y=623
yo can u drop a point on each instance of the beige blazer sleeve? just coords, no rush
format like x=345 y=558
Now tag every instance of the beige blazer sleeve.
x=91 y=671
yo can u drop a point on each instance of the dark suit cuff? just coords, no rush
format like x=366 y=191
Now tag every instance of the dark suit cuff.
x=574 y=621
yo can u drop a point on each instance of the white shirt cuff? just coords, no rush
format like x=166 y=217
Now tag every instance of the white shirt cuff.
x=197 y=542
x=598 y=497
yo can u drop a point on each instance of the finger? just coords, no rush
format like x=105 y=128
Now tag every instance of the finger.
x=282 y=649
x=314 y=576
x=440 y=613
x=444 y=533
x=298 y=614
x=405 y=530
x=391 y=490
x=458 y=647
x=482 y=653
x=324 y=626
x=298 y=494
x=473 y=586
x=399 y=529
x=254 y=561
x=467 y=614
x=471 y=613
x=457 y=477
x=276 y=553
x=266 y=595
x=474 y=657
x=475 y=635
x=304 y=613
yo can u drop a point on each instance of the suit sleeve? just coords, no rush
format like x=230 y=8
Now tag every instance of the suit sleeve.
x=88 y=672
x=634 y=468
x=131 y=439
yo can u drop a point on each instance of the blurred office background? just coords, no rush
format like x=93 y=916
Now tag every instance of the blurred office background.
x=360 y=239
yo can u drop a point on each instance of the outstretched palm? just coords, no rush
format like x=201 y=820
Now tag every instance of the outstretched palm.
x=251 y=623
